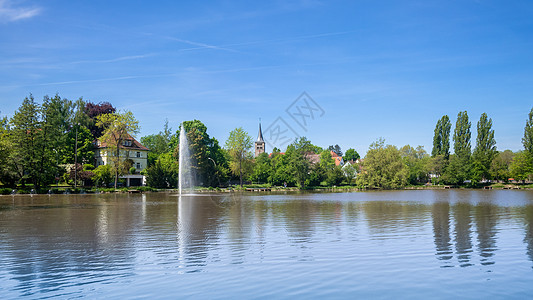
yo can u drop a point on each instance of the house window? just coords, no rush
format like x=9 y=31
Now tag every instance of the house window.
x=138 y=165
x=138 y=154
x=126 y=143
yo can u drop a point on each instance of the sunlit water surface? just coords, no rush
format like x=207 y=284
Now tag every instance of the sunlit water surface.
x=400 y=244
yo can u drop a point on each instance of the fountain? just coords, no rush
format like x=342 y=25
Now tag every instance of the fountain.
x=185 y=181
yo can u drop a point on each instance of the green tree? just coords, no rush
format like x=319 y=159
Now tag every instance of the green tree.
x=499 y=168
x=417 y=161
x=262 y=170
x=521 y=167
x=8 y=176
x=209 y=162
x=461 y=136
x=457 y=170
x=298 y=164
x=441 y=138
x=327 y=170
x=238 y=145
x=318 y=172
x=317 y=175
x=80 y=114
x=527 y=141
x=350 y=172
x=58 y=118
x=383 y=167
x=117 y=127
x=485 y=149
x=158 y=143
x=336 y=149
x=102 y=175
x=437 y=166
x=351 y=155
x=85 y=146
x=30 y=139
x=326 y=161
x=335 y=176
x=163 y=173
x=281 y=171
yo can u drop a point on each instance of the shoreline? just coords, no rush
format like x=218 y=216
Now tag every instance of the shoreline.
x=261 y=190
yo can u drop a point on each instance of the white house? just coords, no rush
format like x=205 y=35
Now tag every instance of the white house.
x=131 y=150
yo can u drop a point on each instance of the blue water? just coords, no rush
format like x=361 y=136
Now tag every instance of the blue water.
x=401 y=244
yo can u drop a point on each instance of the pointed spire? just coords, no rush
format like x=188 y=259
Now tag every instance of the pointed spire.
x=260 y=135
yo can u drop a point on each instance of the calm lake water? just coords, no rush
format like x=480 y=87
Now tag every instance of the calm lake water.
x=399 y=244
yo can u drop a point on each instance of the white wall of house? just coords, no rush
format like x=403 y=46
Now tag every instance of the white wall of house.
x=139 y=157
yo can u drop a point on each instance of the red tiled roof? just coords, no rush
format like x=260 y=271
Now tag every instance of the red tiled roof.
x=280 y=153
x=135 y=145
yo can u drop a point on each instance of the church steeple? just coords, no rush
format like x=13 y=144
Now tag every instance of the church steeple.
x=260 y=143
x=260 y=135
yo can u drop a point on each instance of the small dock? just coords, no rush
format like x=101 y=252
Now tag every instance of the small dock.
x=134 y=191
x=258 y=189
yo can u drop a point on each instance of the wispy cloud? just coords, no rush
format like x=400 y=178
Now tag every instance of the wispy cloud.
x=10 y=13
x=117 y=59
x=198 y=45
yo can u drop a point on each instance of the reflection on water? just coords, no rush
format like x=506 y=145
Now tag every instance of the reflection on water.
x=300 y=244
x=441 y=227
x=463 y=240
x=528 y=238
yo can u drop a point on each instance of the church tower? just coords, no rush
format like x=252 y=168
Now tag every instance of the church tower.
x=260 y=143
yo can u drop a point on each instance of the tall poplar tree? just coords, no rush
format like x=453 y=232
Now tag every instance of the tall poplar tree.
x=462 y=135
x=485 y=149
x=527 y=141
x=458 y=169
x=441 y=138
x=522 y=165
x=437 y=139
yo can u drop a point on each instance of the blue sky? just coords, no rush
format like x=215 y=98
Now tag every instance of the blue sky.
x=386 y=69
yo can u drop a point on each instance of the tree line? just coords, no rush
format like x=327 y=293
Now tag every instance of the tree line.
x=55 y=141
x=214 y=165
x=485 y=162
x=384 y=166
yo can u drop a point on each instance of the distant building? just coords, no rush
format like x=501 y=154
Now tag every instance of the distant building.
x=131 y=150
x=260 y=143
x=338 y=159
x=315 y=158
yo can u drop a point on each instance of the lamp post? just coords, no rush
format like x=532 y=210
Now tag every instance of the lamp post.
x=57 y=167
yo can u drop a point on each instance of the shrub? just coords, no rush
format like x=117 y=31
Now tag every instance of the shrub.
x=5 y=191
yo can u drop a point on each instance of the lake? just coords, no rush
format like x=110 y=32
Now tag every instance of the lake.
x=443 y=244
